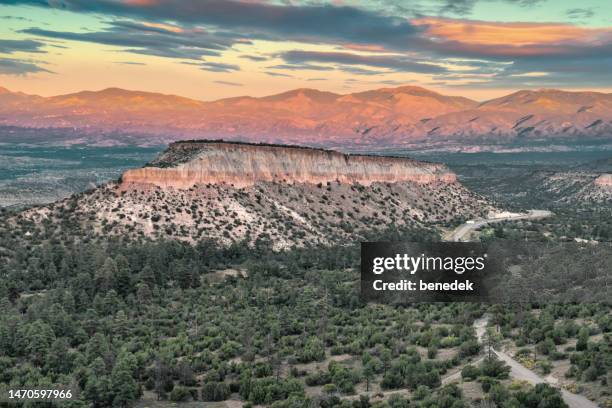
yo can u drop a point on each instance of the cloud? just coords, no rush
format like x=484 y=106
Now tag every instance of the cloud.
x=10 y=66
x=511 y=41
x=395 y=62
x=458 y=50
x=155 y=40
x=256 y=58
x=256 y=19
x=302 y=67
x=392 y=82
x=229 y=83
x=16 y=18
x=539 y=71
x=129 y=63
x=12 y=46
x=214 y=66
x=578 y=13
x=278 y=74
x=457 y=7
x=361 y=71
x=465 y=7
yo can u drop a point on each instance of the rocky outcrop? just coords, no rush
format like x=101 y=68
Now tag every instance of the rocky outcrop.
x=185 y=164
x=605 y=180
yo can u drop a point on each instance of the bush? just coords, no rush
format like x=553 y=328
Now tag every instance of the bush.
x=330 y=389
x=542 y=395
x=421 y=392
x=487 y=382
x=469 y=348
x=180 y=394
x=470 y=372
x=215 y=391
x=268 y=390
x=449 y=341
x=545 y=366
x=590 y=374
x=495 y=368
x=314 y=350
x=318 y=378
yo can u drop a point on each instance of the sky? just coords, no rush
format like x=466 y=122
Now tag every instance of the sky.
x=212 y=49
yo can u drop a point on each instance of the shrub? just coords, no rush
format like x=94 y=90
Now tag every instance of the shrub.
x=215 y=391
x=590 y=374
x=487 y=382
x=469 y=348
x=470 y=372
x=312 y=351
x=180 y=394
x=545 y=366
x=495 y=368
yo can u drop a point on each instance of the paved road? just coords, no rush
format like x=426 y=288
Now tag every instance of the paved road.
x=517 y=370
x=461 y=232
x=520 y=372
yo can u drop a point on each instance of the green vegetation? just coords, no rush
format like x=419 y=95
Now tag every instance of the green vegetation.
x=126 y=319
x=120 y=321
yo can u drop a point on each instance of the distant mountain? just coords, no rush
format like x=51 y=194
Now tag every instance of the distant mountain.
x=531 y=115
x=382 y=117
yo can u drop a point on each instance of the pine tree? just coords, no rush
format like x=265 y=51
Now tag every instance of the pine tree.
x=121 y=279
x=123 y=385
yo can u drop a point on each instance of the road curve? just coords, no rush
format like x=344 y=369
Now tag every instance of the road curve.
x=517 y=370
x=459 y=233
x=520 y=372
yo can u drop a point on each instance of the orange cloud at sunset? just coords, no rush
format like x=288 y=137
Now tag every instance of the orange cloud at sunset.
x=163 y=26
x=140 y=2
x=514 y=34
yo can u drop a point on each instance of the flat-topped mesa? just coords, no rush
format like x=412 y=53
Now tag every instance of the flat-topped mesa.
x=185 y=164
x=604 y=180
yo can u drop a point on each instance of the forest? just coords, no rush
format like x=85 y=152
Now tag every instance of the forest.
x=121 y=322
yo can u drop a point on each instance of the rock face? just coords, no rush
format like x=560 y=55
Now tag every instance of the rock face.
x=605 y=180
x=185 y=164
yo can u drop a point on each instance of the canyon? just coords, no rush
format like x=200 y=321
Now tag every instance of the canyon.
x=386 y=117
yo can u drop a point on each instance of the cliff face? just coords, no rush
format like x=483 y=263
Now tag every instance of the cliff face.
x=605 y=180
x=185 y=164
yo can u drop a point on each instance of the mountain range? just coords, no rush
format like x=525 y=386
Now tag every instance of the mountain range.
x=383 y=117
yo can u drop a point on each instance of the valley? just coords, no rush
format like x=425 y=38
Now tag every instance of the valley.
x=42 y=173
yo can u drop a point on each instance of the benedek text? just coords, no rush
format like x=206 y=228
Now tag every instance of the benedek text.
x=405 y=284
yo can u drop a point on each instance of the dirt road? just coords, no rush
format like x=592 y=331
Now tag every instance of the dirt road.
x=520 y=372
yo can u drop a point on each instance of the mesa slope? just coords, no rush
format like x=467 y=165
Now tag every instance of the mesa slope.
x=232 y=192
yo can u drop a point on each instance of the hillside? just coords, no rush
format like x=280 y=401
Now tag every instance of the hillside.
x=531 y=115
x=381 y=117
x=230 y=192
